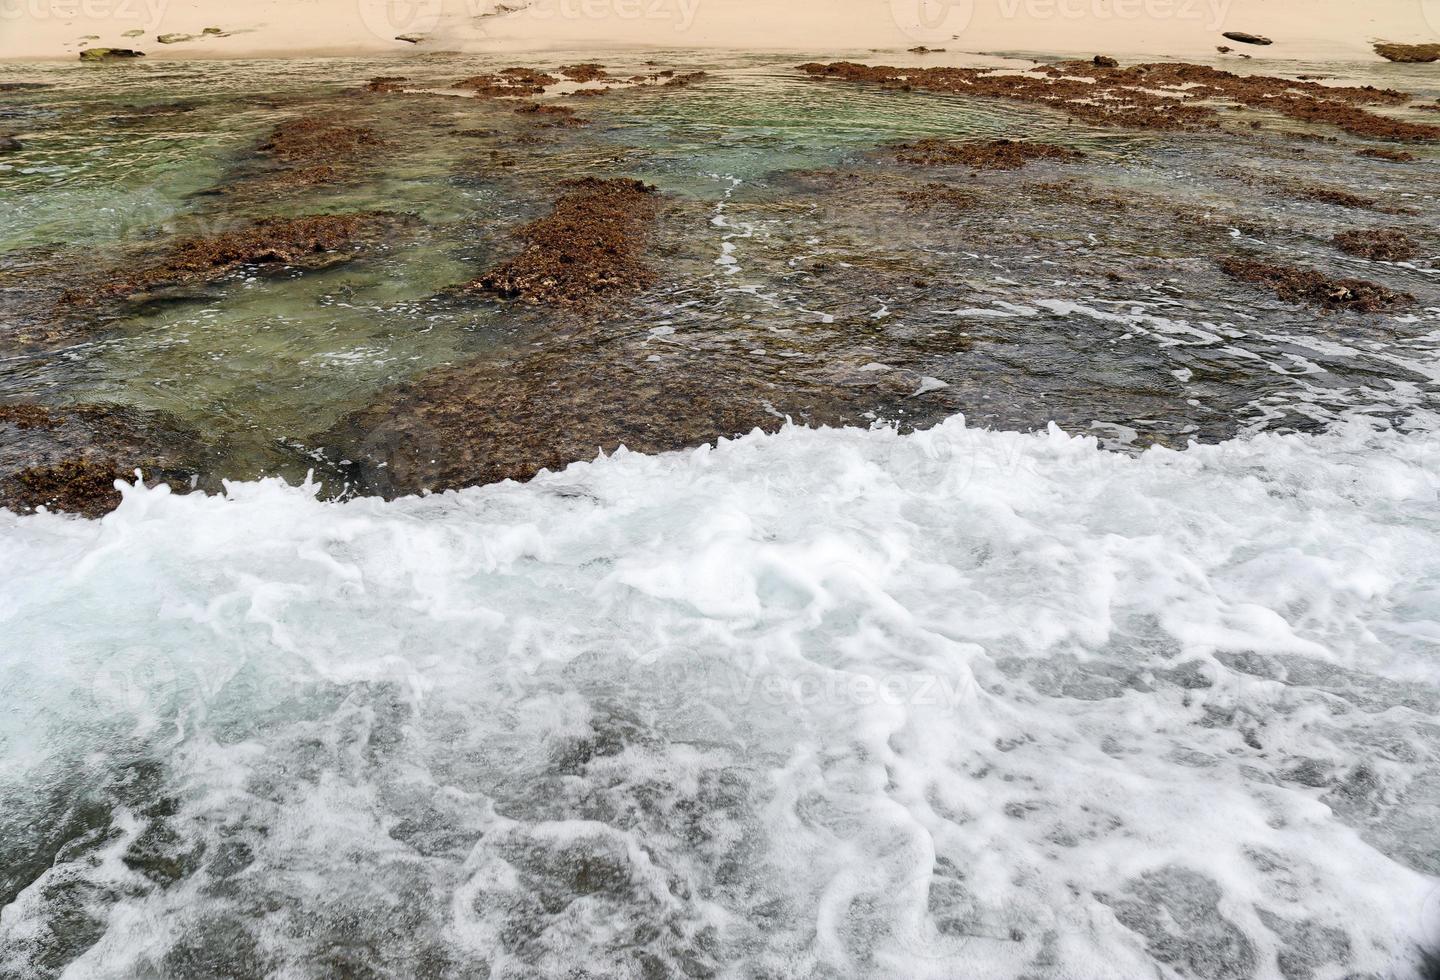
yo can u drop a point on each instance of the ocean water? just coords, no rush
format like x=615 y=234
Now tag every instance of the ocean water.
x=822 y=703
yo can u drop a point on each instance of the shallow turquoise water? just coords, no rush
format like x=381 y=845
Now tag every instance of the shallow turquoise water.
x=111 y=167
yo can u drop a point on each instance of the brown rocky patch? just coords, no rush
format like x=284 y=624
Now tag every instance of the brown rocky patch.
x=386 y=83
x=1297 y=285
x=1332 y=195
x=68 y=459
x=488 y=421
x=313 y=151
x=1163 y=96
x=938 y=196
x=310 y=242
x=312 y=140
x=509 y=82
x=555 y=115
x=983 y=155
x=1393 y=156
x=590 y=245
x=588 y=72
x=75 y=486
x=1379 y=244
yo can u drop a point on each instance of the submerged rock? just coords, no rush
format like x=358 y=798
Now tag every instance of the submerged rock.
x=508 y=82
x=493 y=420
x=1297 y=285
x=310 y=242
x=311 y=139
x=984 y=155
x=9 y=144
x=314 y=150
x=1393 y=156
x=587 y=72
x=1379 y=244
x=1158 y=95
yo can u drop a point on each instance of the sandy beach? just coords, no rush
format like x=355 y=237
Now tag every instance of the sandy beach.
x=1300 y=29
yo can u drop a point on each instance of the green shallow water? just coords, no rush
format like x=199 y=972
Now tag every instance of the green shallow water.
x=118 y=160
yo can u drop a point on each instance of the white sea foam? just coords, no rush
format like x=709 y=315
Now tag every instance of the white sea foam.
x=817 y=704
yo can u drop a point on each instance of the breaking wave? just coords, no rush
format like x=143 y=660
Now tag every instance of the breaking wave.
x=823 y=703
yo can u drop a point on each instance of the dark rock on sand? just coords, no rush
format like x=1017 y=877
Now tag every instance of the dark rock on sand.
x=1409 y=53
x=1105 y=61
x=68 y=459
x=1240 y=37
x=1298 y=285
x=109 y=54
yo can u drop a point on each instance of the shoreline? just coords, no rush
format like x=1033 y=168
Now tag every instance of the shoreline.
x=1301 y=30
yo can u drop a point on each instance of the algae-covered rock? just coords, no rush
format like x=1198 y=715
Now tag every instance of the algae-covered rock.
x=174 y=38
x=68 y=459
x=1410 y=54
x=110 y=54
